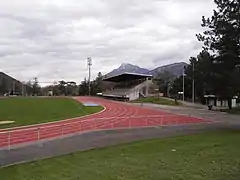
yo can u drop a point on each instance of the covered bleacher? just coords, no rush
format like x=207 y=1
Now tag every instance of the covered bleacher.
x=127 y=86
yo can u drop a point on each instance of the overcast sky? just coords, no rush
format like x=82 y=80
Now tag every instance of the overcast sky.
x=51 y=39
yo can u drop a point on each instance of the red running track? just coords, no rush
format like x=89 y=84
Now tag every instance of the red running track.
x=116 y=115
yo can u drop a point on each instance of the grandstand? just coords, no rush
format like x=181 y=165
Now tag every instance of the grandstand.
x=10 y=85
x=128 y=86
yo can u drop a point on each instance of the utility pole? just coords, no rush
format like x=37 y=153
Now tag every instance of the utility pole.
x=89 y=61
x=193 y=85
x=183 y=85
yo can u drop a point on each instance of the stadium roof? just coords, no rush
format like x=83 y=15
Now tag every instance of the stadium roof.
x=2 y=74
x=126 y=76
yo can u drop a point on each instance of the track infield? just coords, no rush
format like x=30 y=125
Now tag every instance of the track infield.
x=116 y=115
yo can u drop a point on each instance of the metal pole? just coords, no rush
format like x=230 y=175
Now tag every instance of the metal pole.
x=95 y=124
x=38 y=134
x=112 y=123
x=9 y=140
x=62 y=130
x=89 y=60
x=130 y=124
x=193 y=85
x=80 y=127
x=183 y=86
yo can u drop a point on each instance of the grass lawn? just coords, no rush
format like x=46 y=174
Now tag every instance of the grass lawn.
x=157 y=100
x=209 y=156
x=26 y=111
x=232 y=111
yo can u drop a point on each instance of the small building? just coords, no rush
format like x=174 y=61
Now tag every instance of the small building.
x=216 y=101
x=50 y=93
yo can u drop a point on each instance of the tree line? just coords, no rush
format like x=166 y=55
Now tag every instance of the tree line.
x=63 y=88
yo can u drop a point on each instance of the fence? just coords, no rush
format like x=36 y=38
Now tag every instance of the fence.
x=10 y=138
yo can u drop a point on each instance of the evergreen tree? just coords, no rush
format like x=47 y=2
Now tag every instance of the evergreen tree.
x=62 y=87
x=99 y=83
x=36 y=89
x=164 y=82
x=83 y=87
x=222 y=39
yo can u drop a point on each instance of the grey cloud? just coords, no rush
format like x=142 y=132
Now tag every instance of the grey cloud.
x=52 y=39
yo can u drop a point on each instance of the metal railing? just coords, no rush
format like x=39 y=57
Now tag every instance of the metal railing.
x=11 y=138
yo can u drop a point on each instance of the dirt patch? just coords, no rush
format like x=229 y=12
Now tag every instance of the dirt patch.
x=6 y=122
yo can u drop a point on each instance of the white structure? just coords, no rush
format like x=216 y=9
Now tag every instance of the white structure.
x=129 y=86
x=50 y=93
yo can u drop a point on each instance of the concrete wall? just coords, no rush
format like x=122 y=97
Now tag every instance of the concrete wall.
x=142 y=88
x=133 y=95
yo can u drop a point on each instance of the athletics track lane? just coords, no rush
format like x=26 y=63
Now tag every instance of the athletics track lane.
x=115 y=116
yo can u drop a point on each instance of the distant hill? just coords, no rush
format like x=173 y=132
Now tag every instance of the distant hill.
x=125 y=67
x=176 y=69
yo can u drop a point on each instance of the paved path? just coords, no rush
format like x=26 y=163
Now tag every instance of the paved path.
x=202 y=113
x=116 y=115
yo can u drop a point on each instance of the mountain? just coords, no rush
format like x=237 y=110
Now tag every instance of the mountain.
x=125 y=67
x=176 y=69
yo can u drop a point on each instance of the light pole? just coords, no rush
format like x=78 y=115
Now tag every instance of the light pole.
x=238 y=72
x=193 y=85
x=183 y=85
x=89 y=61
x=168 y=89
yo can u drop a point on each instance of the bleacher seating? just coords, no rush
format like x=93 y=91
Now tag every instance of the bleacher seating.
x=128 y=86
x=117 y=92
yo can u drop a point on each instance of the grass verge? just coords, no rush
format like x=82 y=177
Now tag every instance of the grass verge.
x=157 y=100
x=209 y=156
x=232 y=111
x=27 y=111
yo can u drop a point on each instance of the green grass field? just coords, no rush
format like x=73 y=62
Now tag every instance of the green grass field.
x=210 y=156
x=26 y=111
x=157 y=100
x=232 y=111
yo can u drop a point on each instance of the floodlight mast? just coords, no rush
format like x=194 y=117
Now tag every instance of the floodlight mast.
x=89 y=61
